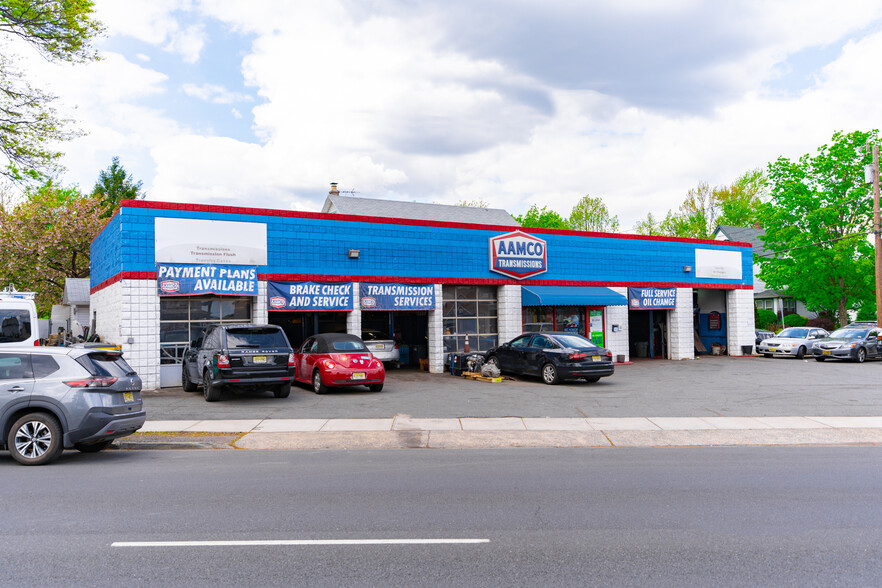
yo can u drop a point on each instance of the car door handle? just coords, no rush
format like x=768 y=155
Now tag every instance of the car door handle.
x=15 y=389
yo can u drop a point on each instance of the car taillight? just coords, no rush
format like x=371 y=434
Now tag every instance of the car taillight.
x=223 y=361
x=93 y=382
x=578 y=355
x=396 y=345
x=609 y=353
x=37 y=343
x=290 y=359
x=329 y=365
x=376 y=363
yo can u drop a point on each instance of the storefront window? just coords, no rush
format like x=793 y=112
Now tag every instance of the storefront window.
x=570 y=319
x=538 y=318
x=182 y=320
x=471 y=310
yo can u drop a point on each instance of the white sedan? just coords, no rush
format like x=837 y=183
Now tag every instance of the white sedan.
x=792 y=342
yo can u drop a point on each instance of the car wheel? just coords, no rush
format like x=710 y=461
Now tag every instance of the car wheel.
x=375 y=387
x=549 y=374
x=861 y=355
x=92 y=447
x=282 y=391
x=317 y=385
x=820 y=358
x=186 y=384
x=209 y=391
x=35 y=439
x=592 y=379
x=800 y=353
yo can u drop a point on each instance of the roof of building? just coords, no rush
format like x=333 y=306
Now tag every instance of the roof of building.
x=743 y=234
x=76 y=291
x=336 y=204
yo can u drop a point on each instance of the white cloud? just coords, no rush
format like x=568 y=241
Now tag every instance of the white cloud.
x=214 y=93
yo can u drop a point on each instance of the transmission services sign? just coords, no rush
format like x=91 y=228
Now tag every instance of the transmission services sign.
x=518 y=255
x=303 y=296
x=397 y=296
x=182 y=279
x=652 y=298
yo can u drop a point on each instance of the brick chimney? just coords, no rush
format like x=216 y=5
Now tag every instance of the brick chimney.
x=334 y=191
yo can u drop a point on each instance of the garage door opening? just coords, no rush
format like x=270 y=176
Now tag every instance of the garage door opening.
x=410 y=328
x=299 y=326
x=648 y=333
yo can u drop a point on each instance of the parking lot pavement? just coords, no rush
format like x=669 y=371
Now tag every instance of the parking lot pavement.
x=708 y=387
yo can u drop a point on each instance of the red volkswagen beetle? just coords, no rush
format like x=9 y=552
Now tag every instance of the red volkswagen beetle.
x=337 y=359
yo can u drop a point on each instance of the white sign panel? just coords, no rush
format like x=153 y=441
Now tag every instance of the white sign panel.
x=187 y=240
x=713 y=263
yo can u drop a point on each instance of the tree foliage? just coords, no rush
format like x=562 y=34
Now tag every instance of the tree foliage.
x=816 y=226
x=45 y=238
x=115 y=185
x=542 y=218
x=591 y=214
x=60 y=30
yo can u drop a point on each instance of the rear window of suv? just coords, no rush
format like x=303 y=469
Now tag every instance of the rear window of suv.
x=106 y=364
x=256 y=337
x=15 y=325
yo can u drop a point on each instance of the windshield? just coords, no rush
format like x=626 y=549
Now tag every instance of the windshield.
x=574 y=342
x=849 y=334
x=15 y=326
x=256 y=337
x=793 y=333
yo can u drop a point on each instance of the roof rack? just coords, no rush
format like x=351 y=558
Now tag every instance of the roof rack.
x=11 y=293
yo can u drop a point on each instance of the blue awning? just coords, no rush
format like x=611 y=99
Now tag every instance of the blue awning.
x=570 y=296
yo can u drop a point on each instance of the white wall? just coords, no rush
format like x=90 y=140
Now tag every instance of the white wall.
x=436 y=333
x=681 y=328
x=741 y=320
x=510 y=318
x=353 y=318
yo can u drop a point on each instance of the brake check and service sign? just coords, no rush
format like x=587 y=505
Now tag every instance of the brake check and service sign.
x=518 y=255
x=309 y=296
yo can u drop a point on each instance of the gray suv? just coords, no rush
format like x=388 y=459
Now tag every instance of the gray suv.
x=56 y=398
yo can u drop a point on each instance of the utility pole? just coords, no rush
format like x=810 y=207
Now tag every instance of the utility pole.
x=877 y=231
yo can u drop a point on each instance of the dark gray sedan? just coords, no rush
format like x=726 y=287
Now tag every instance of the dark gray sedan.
x=854 y=344
x=553 y=357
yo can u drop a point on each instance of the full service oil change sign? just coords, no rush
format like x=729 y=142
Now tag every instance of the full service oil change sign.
x=652 y=298
x=180 y=279
x=305 y=296
x=397 y=296
x=518 y=255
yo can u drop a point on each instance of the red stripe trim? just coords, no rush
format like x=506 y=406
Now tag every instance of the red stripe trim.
x=455 y=281
x=406 y=221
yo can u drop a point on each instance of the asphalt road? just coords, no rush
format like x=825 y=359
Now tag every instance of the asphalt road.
x=658 y=517
x=710 y=386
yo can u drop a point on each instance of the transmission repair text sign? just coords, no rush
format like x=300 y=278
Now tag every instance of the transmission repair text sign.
x=182 y=279
x=652 y=298
x=309 y=296
x=518 y=255
x=397 y=296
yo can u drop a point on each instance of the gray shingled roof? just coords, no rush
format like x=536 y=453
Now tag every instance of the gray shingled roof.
x=745 y=235
x=76 y=291
x=417 y=210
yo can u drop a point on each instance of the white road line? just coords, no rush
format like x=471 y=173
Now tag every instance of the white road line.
x=297 y=542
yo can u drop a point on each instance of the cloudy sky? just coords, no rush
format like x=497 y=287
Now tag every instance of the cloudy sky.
x=511 y=102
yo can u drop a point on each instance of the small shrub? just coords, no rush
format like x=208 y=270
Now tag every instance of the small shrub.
x=765 y=319
x=795 y=320
x=821 y=322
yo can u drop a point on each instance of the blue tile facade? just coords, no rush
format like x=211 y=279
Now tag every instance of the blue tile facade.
x=319 y=246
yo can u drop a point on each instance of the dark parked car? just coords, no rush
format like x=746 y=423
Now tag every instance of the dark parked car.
x=553 y=356
x=240 y=357
x=762 y=335
x=55 y=398
x=855 y=344
x=338 y=359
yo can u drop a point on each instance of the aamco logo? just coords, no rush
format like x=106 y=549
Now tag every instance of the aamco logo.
x=518 y=255
x=368 y=302
x=277 y=302
x=169 y=286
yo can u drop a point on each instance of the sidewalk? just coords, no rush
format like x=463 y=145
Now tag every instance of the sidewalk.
x=405 y=432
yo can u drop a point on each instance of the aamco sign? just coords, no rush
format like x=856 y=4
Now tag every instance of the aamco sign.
x=518 y=255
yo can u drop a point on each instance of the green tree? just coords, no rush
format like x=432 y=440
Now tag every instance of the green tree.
x=542 y=218
x=60 y=30
x=45 y=238
x=816 y=226
x=591 y=214
x=115 y=185
x=473 y=203
x=648 y=226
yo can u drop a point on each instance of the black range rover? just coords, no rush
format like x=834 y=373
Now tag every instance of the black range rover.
x=244 y=357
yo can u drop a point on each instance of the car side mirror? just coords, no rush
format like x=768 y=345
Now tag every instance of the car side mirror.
x=507 y=344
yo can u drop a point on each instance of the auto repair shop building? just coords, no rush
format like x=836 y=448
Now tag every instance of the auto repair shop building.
x=161 y=272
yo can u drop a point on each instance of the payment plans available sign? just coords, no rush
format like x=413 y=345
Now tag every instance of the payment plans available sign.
x=518 y=255
x=178 y=279
x=304 y=296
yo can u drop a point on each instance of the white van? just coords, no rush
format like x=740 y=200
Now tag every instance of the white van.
x=18 y=318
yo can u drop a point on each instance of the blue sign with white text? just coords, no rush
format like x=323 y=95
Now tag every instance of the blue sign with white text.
x=397 y=296
x=652 y=298
x=305 y=296
x=186 y=279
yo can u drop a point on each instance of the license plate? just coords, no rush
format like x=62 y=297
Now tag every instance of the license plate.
x=380 y=346
x=595 y=358
x=258 y=359
x=825 y=352
x=358 y=376
x=129 y=396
